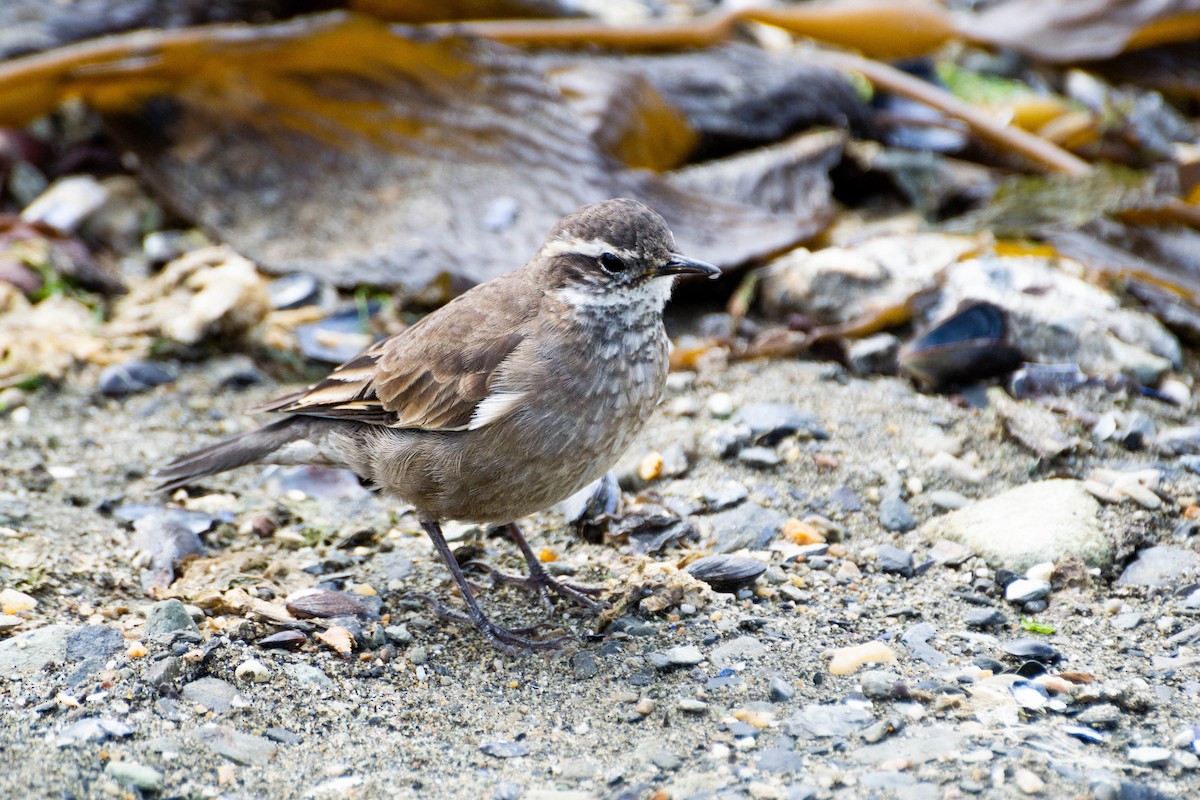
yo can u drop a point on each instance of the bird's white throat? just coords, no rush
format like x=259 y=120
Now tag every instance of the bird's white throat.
x=648 y=295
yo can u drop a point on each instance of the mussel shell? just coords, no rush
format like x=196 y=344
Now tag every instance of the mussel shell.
x=726 y=573
x=966 y=347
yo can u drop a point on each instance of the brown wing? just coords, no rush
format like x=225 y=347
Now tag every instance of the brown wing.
x=432 y=375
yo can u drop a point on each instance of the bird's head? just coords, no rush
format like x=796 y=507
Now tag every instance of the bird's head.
x=617 y=251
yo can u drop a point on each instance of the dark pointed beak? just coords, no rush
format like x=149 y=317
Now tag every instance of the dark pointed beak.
x=682 y=265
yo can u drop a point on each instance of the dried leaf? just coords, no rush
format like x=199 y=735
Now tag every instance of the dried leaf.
x=1062 y=31
x=363 y=153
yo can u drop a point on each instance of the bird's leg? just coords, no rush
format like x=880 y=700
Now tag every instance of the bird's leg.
x=510 y=641
x=540 y=580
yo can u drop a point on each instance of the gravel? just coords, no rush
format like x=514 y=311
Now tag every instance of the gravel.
x=745 y=704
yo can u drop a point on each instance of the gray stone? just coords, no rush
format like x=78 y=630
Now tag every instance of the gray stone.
x=916 y=639
x=727 y=495
x=748 y=525
x=505 y=749
x=824 y=721
x=35 y=650
x=684 y=655
x=760 y=457
x=740 y=649
x=770 y=422
x=241 y=748
x=893 y=559
x=894 y=515
x=132 y=773
x=1031 y=524
x=167 y=617
x=508 y=790
x=584 y=665
x=1127 y=622
x=214 y=694
x=165 y=670
x=98 y=642
x=308 y=674
x=781 y=690
x=1159 y=566
x=879 y=684
x=984 y=618
x=779 y=759
x=94 y=729
x=1022 y=590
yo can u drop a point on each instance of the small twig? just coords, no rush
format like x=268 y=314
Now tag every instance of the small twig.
x=1006 y=136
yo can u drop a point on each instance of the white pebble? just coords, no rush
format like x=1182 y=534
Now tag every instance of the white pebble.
x=253 y=671
x=1040 y=572
x=720 y=405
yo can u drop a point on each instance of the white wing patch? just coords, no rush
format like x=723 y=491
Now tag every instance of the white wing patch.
x=495 y=406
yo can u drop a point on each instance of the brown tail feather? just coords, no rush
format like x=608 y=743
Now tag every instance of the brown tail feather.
x=238 y=451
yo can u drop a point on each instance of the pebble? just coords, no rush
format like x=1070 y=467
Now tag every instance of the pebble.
x=1029 y=782
x=133 y=773
x=691 y=705
x=821 y=721
x=132 y=377
x=253 y=671
x=33 y=651
x=214 y=694
x=769 y=423
x=878 y=684
x=238 y=747
x=14 y=602
x=94 y=643
x=1036 y=522
x=584 y=665
x=894 y=560
x=760 y=457
x=1159 y=566
x=720 y=405
x=780 y=690
x=1150 y=756
x=67 y=202
x=505 y=749
x=727 y=495
x=1127 y=622
x=94 y=729
x=686 y=655
x=1101 y=716
x=948 y=499
x=749 y=526
x=740 y=649
x=845 y=660
x=894 y=514
x=984 y=618
x=165 y=618
x=1024 y=590
x=916 y=639
x=163 y=671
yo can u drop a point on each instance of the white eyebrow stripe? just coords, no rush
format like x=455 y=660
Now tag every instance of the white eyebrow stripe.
x=495 y=406
x=593 y=248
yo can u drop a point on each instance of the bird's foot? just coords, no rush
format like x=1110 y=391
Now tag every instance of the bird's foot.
x=542 y=582
x=512 y=641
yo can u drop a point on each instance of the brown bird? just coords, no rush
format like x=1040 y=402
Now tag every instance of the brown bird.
x=503 y=402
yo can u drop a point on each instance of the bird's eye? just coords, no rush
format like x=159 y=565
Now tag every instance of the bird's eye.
x=612 y=263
